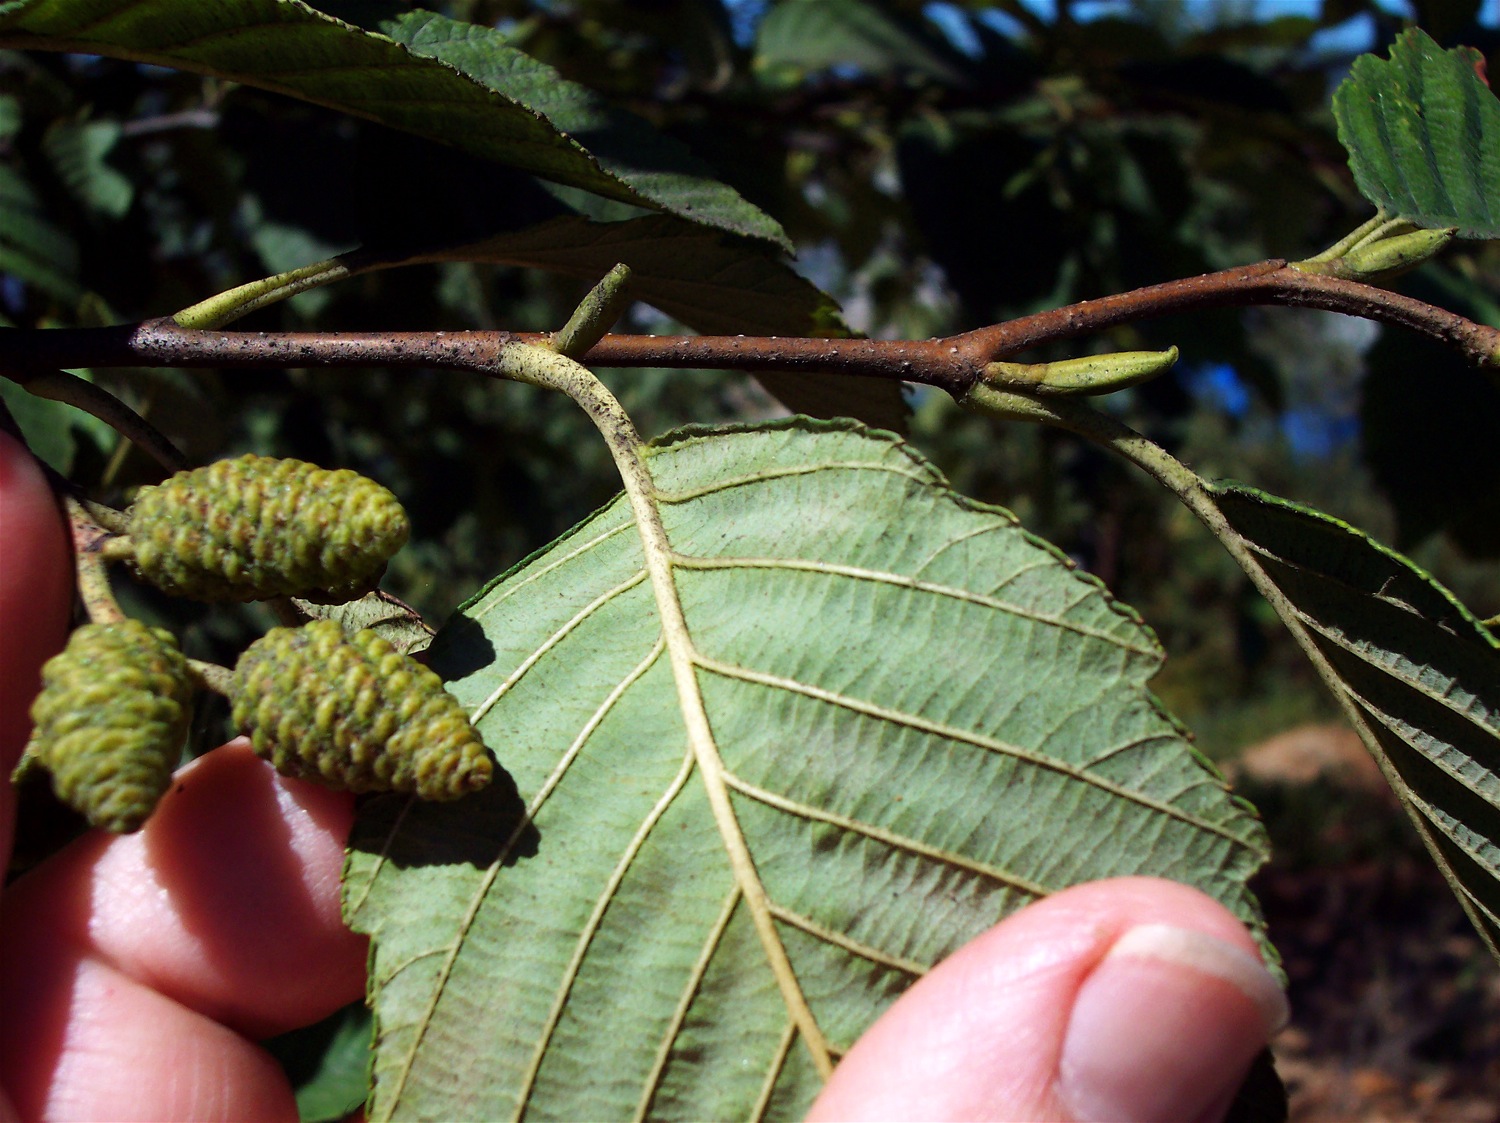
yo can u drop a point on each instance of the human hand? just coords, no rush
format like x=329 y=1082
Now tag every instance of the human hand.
x=135 y=971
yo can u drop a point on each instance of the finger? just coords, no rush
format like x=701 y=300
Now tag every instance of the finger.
x=36 y=581
x=120 y=955
x=1131 y=999
x=226 y=901
x=82 y=1041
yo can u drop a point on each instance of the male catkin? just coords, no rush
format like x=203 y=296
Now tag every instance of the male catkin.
x=110 y=721
x=354 y=713
x=257 y=527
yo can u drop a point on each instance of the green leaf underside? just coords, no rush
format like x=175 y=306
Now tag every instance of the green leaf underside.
x=454 y=83
x=1419 y=667
x=925 y=717
x=707 y=281
x=1423 y=135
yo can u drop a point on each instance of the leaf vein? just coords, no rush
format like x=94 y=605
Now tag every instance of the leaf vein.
x=552 y=641
x=774 y=1071
x=979 y=741
x=731 y=482
x=511 y=588
x=901 y=580
x=881 y=835
x=591 y=927
x=1361 y=650
x=807 y=924
x=716 y=932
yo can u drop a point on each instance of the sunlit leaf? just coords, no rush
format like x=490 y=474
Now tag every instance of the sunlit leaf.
x=915 y=718
x=1423 y=134
x=395 y=620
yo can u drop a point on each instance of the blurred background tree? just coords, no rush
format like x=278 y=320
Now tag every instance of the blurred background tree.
x=938 y=166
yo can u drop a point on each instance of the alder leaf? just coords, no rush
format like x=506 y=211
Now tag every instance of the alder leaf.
x=454 y=83
x=883 y=718
x=1423 y=135
x=396 y=622
x=79 y=152
x=1419 y=669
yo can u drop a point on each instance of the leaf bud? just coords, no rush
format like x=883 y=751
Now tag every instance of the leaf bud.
x=1387 y=257
x=1088 y=374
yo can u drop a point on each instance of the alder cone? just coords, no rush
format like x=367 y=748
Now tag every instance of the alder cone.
x=111 y=719
x=257 y=527
x=353 y=713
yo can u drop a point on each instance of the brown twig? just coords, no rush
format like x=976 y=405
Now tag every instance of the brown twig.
x=1268 y=282
x=954 y=364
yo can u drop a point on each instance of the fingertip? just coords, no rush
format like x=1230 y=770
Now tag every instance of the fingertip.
x=253 y=863
x=36 y=584
x=982 y=1036
x=1165 y=1027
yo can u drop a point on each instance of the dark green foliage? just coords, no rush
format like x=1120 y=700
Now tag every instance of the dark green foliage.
x=327 y=1063
x=1433 y=452
x=355 y=714
x=258 y=527
x=1423 y=133
x=110 y=721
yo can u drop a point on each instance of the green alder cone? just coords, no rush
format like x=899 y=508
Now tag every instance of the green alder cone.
x=257 y=527
x=110 y=721
x=355 y=714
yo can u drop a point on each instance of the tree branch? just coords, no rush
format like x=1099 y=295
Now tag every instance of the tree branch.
x=953 y=364
x=1268 y=282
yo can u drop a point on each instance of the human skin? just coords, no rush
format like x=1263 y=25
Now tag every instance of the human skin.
x=137 y=971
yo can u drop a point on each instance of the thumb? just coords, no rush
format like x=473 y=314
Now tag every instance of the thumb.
x=1127 y=1000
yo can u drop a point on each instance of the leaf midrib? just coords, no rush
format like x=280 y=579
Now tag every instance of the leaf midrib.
x=543 y=367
